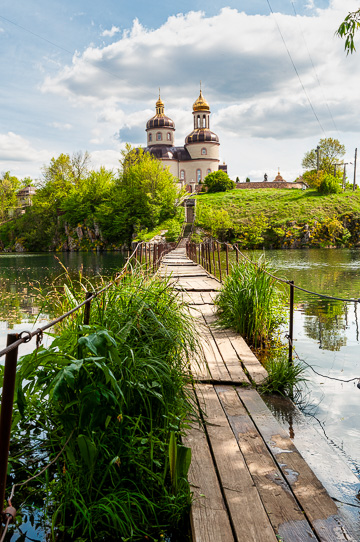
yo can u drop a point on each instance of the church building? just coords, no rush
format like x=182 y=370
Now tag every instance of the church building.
x=200 y=154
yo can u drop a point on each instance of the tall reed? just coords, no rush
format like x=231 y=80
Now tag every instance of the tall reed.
x=250 y=302
x=118 y=389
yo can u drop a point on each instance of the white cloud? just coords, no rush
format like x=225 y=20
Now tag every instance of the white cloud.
x=13 y=147
x=110 y=33
x=62 y=125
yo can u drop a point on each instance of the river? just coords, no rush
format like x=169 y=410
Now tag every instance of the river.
x=326 y=332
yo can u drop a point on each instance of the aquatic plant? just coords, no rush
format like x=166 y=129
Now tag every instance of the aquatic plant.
x=284 y=377
x=117 y=389
x=251 y=302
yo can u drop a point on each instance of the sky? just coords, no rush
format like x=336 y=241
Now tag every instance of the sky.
x=84 y=76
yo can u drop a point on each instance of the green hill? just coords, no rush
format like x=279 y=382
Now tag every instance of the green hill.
x=281 y=218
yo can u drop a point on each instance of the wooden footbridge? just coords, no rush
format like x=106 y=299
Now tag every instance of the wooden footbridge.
x=250 y=482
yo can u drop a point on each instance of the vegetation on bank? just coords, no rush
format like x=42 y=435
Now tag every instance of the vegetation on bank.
x=275 y=218
x=116 y=390
x=77 y=208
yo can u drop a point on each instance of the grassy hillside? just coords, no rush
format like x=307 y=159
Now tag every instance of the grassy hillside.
x=281 y=218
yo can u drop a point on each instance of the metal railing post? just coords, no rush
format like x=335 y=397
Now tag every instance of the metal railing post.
x=87 y=310
x=291 y=321
x=7 y=402
x=218 y=253
x=227 y=258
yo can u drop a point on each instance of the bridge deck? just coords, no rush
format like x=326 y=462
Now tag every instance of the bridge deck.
x=249 y=481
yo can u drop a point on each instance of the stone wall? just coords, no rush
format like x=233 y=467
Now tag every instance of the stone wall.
x=272 y=184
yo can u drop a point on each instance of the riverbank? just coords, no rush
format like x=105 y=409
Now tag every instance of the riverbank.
x=272 y=218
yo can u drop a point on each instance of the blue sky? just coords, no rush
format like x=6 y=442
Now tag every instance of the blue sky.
x=85 y=75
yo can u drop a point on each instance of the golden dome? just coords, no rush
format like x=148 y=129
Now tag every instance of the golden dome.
x=201 y=104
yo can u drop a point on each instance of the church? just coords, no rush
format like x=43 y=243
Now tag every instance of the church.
x=200 y=154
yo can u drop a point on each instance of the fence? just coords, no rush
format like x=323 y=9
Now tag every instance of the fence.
x=207 y=254
x=148 y=255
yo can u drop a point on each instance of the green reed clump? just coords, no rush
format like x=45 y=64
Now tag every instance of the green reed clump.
x=284 y=377
x=251 y=302
x=117 y=389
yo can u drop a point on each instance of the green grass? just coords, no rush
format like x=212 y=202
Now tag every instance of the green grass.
x=281 y=218
x=277 y=204
x=250 y=302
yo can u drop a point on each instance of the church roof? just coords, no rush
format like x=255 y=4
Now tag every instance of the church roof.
x=201 y=104
x=160 y=120
x=201 y=135
x=166 y=152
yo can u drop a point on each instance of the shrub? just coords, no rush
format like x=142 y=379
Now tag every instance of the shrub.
x=250 y=302
x=329 y=185
x=218 y=181
x=284 y=377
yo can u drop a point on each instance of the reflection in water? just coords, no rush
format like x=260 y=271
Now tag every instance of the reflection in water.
x=326 y=335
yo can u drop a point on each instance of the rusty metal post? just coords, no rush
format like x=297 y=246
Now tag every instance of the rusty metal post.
x=291 y=321
x=141 y=251
x=7 y=401
x=227 y=258
x=209 y=256
x=213 y=255
x=199 y=257
x=218 y=253
x=87 y=309
x=237 y=253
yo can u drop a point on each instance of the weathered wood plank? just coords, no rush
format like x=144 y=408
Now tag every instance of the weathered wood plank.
x=317 y=504
x=241 y=495
x=257 y=372
x=229 y=356
x=209 y=518
x=280 y=504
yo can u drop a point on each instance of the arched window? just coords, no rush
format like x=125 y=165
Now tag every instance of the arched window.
x=150 y=137
x=203 y=151
x=182 y=174
x=204 y=121
x=208 y=171
x=198 y=121
x=168 y=136
x=159 y=136
x=198 y=175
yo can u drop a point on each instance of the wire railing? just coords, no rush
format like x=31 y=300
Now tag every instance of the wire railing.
x=149 y=255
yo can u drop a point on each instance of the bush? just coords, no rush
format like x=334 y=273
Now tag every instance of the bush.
x=329 y=185
x=284 y=377
x=250 y=302
x=218 y=181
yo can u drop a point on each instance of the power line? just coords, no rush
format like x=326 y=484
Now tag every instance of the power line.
x=316 y=75
x=295 y=69
x=57 y=46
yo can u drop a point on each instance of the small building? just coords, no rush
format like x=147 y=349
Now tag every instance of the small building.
x=25 y=195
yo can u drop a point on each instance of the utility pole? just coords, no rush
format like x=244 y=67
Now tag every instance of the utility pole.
x=354 y=183
x=344 y=175
x=317 y=150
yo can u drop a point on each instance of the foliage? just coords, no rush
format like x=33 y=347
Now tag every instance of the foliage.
x=250 y=302
x=117 y=388
x=284 y=377
x=247 y=179
x=237 y=180
x=347 y=30
x=329 y=185
x=218 y=181
x=214 y=221
x=9 y=185
x=250 y=233
x=330 y=153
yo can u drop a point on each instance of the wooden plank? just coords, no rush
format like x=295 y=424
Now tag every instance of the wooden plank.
x=208 y=516
x=229 y=356
x=257 y=372
x=280 y=504
x=249 y=518
x=320 y=509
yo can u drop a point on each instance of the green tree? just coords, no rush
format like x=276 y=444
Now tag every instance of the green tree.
x=347 y=30
x=145 y=194
x=329 y=185
x=218 y=181
x=331 y=152
x=9 y=185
